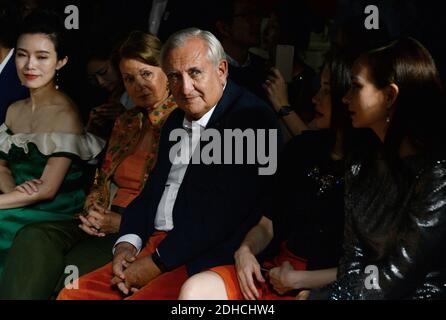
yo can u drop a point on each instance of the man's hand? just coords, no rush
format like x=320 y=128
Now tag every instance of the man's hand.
x=138 y=274
x=246 y=266
x=284 y=278
x=125 y=254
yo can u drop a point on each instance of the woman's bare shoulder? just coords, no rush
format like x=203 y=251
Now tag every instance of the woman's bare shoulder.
x=66 y=117
x=16 y=109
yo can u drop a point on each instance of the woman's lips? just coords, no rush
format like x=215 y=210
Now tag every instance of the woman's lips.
x=31 y=77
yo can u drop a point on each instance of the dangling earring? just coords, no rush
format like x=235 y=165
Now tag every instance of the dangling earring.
x=388 y=117
x=57 y=79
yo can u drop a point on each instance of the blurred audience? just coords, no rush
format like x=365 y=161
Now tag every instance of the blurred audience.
x=11 y=89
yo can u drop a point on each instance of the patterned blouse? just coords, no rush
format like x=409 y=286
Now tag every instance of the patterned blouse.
x=127 y=132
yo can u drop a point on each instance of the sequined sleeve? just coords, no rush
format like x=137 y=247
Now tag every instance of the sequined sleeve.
x=419 y=240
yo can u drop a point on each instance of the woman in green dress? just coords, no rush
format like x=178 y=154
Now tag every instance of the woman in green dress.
x=42 y=142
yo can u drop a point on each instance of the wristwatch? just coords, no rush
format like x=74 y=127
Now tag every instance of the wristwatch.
x=284 y=111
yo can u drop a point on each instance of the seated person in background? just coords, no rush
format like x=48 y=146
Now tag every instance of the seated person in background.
x=50 y=246
x=42 y=140
x=103 y=73
x=11 y=89
x=395 y=232
x=292 y=101
x=190 y=216
x=238 y=28
x=303 y=226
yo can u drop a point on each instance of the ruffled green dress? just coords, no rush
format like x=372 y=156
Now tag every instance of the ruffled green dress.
x=27 y=155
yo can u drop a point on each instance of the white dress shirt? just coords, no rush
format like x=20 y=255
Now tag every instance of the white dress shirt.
x=163 y=218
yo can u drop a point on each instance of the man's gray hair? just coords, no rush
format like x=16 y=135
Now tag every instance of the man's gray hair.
x=216 y=53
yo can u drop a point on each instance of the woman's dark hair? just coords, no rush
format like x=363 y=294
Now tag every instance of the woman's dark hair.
x=100 y=47
x=48 y=23
x=420 y=101
x=339 y=63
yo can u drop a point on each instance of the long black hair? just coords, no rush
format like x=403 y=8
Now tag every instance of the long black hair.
x=49 y=23
x=339 y=62
x=420 y=102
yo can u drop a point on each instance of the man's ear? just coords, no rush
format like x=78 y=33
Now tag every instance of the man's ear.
x=61 y=63
x=392 y=92
x=222 y=69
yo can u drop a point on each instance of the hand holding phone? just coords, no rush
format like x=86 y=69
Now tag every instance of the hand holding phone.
x=285 y=61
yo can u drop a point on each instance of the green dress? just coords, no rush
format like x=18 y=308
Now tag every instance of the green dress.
x=27 y=155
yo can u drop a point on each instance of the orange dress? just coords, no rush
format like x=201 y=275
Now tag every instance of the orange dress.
x=128 y=177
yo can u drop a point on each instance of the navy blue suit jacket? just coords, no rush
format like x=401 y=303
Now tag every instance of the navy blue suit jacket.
x=10 y=88
x=217 y=204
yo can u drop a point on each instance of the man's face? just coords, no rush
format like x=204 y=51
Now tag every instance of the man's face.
x=195 y=82
x=246 y=22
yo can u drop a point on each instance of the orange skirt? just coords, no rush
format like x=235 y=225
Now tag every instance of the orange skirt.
x=96 y=285
x=266 y=291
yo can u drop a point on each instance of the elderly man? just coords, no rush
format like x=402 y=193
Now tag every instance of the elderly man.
x=191 y=215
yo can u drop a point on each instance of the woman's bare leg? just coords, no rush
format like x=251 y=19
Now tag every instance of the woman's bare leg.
x=207 y=285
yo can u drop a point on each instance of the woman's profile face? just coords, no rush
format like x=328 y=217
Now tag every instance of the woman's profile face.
x=367 y=104
x=102 y=74
x=322 y=101
x=145 y=84
x=36 y=60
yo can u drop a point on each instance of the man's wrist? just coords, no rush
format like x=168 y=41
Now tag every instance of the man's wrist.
x=124 y=246
x=157 y=261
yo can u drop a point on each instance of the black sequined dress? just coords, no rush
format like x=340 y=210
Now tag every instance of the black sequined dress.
x=395 y=231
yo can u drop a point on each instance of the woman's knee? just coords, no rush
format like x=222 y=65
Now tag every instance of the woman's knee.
x=206 y=285
x=32 y=234
x=55 y=234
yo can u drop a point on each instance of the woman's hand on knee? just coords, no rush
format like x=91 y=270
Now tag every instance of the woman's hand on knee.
x=247 y=267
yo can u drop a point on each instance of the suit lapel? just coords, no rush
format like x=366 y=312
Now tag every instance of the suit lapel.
x=231 y=92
